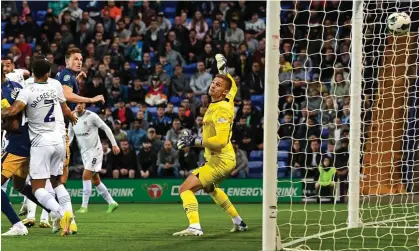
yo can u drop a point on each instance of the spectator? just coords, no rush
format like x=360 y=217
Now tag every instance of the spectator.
x=88 y=21
x=308 y=128
x=163 y=76
x=234 y=35
x=179 y=82
x=242 y=168
x=251 y=114
x=107 y=117
x=161 y=123
x=287 y=129
x=101 y=47
x=186 y=122
x=341 y=164
x=217 y=33
x=144 y=124
x=96 y=87
x=145 y=69
x=167 y=67
x=154 y=38
x=243 y=135
x=180 y=34
x=122 y=89
x=198 y=24
x=256 y=24
x=255 y=80
x=137 y=27
x=12 y=28
x=168 y=161
x=197 y=129
x=232 y=59
x=174 y=134
x=147 y=160
x=194 y=46
x=147 y=13
x=130 y=10
x=345 y=115
x=118 y=132
x=201 y=80
x=108 y=161
x=24 y=48
x=49 y=27
x=163 y=23
x=156 y=143
x=340 y=88
x=297 y=158
x=155 y=95
x=113 y=11
x=123 y=33
x=170 y=112
x=54 y=66
x=337 y=130
x=83 y=36
x=208 y=57
x=137 y=135
x=75 y=11
x=328 y=112
x=30 y=29
x=173 y=57
x=194 y=102
x=109 y=24
x=7 y=9
x=123 y=114
x=188 y=161
x=290 y=107
x=331 y=151
x=314 y=156
x=137 y=93
x=251 y=42
x=126 y=162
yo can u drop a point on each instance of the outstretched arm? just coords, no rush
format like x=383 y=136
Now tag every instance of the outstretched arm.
x=102 y=125
x=67 y=113
x=17 y=107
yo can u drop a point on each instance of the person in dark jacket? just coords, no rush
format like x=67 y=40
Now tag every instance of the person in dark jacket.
x=147 y=160
x=188 y=161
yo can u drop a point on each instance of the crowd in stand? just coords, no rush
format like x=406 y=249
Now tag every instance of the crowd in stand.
x=154 y=70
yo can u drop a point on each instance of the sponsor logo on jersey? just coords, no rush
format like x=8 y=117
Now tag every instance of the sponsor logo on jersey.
x=155 y=191
x=66 y=77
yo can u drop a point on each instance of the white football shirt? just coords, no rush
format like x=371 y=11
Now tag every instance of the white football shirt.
x=42 y=101
x=59 y=118
x=16 y=76
x=87 y=134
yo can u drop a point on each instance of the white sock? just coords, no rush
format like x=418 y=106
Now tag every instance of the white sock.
x=64 y=198
x=50 y=189
x=195 y=225
x=87 y=191
x=103 y=190
x=48 y=201
x=237 y=220
x=31 y=206
x=19 y=225
x=4 y=186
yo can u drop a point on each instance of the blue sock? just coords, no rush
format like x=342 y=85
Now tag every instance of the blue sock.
x=7 y=209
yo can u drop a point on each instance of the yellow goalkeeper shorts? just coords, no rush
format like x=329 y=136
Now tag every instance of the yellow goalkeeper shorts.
x=214 y=171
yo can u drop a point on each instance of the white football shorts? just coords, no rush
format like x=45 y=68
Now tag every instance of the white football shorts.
x=45 y=161
x=92 y=160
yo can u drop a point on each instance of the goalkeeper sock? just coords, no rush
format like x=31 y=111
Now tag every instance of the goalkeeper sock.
x=221 y=199
x=190 y=205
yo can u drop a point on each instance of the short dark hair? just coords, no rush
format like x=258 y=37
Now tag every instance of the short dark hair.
x=5 y=58
x=227 y=79
x=40 y=67
x=71 y=52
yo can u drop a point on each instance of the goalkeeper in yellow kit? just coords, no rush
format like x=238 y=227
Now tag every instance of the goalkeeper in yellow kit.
x=219 y=153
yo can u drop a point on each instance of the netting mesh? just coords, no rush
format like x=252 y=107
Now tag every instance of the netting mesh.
x=314 y=107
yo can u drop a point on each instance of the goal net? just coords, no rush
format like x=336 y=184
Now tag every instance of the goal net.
x=348 y=127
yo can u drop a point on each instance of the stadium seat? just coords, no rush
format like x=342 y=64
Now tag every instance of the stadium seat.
x=2 y=34
x=209 y=22
x=152 y=111
x=175 y=109
x=256 y=156
x=39 y=23
x=282 y=156
x=281 y=173
x=169 y=12
x=257 y=100
x=5 y=48
x=190 y=69
x=134 y=110
x=282 y=164
x=282 y=169
x=3 y=25
x=94 y=109
x=324 y=145
x=255 y=175
x=40 y=15
x=255 y=166
x=284 y=145
x=172 y=21
x=175 y=100
x=325 y=133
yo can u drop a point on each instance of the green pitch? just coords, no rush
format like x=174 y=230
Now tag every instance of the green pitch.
x=149 y=227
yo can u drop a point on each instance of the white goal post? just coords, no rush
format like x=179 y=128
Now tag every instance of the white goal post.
x=380 y=208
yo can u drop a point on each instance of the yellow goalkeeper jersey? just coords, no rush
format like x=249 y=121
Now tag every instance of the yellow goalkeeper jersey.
x=217 y=129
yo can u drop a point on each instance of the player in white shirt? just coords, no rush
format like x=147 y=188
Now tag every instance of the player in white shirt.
x=87 y=135
x=42 y=102
x=28 y=204
x=13 y=74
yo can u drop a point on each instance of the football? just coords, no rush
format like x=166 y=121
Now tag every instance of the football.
x=398 y=23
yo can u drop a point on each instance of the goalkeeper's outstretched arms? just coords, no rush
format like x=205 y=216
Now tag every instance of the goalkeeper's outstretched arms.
x=222 y=69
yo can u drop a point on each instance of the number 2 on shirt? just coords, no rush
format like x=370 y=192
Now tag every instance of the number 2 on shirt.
x=50 y=117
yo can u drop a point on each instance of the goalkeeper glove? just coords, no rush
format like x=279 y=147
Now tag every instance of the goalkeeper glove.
x=188 y=141
x=221 y=64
